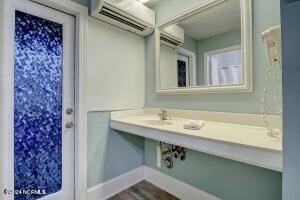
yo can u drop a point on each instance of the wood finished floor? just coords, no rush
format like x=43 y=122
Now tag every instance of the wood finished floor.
x=143 y=191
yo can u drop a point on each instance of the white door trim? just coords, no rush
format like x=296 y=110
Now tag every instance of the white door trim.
x=192 y=65
x=81 y=14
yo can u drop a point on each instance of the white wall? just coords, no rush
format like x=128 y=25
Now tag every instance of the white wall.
x=116 y=68
x=168 y=67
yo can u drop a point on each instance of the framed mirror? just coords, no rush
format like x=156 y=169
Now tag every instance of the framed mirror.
x=207 y=49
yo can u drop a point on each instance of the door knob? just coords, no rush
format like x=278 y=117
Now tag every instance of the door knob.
x=69 y=124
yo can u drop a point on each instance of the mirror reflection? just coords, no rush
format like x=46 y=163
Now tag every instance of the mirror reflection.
x=203 y=49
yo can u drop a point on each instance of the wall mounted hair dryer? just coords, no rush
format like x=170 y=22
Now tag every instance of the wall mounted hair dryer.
x=272 y=39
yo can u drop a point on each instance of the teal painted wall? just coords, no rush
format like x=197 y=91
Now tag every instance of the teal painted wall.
x=214 y=43
x=190 y=44
x=110 y=153
x=226 y=179
x=82 y=2
x=266 y=13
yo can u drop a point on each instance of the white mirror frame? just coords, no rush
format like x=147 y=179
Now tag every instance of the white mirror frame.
x=246 y=44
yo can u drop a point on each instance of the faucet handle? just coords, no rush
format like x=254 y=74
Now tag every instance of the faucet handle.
x=163 y=114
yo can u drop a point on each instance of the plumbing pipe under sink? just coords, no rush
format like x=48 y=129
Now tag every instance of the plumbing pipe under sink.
x=162 y=154
x=158 y=155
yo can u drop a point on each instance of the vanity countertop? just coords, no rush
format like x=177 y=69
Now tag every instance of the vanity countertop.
x=250 y=136
x=244 y=143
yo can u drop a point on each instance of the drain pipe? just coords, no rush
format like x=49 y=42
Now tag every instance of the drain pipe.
x=162 y=154
x=158 y=155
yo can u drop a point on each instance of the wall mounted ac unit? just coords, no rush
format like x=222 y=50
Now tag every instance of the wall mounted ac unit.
x=130 y=15
x=172 y=36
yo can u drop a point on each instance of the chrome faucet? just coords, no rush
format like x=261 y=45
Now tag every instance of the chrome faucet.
x=163 y=114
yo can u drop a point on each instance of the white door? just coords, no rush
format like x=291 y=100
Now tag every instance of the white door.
x=41 y=99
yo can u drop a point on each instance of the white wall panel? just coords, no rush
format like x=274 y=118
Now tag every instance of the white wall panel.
x=116 y=68
x=168 y=67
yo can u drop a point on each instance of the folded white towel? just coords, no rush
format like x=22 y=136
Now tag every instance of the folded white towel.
x=193 y=124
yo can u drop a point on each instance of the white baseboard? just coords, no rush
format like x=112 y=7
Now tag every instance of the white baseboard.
x=116 y=185
x=175 y=187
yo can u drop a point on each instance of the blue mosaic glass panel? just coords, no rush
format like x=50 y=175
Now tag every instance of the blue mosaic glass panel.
x=37 y=105
x=181 y=70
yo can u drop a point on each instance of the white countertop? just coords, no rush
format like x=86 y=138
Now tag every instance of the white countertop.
x=250 y=136
x=244 y=143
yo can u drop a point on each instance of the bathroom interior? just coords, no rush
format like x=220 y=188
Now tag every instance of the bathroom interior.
x=149 y=99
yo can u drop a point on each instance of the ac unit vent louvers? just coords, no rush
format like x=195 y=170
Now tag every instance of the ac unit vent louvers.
x=170 y=40
x=123 y=19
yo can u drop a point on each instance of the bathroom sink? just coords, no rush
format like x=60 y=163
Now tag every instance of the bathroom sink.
x=157 y=122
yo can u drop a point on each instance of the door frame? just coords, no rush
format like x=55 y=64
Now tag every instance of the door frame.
x=192 y=71
x=7 y=140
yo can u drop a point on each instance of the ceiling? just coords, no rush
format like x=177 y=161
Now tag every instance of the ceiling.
x=152 y=3
x=220 y=19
